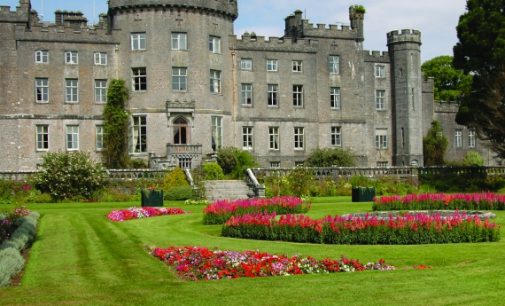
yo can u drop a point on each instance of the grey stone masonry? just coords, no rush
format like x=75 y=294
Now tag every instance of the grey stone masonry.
x=226 y=190
x=196 y=87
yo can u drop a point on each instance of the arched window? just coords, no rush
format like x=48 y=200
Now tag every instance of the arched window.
x=181 y=135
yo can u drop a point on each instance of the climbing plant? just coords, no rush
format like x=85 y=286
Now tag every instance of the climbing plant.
x=115 y=153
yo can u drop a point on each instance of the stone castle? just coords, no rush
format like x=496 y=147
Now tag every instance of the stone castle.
x=196 y=87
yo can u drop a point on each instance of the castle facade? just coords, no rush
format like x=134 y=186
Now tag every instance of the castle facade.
x=196 y=87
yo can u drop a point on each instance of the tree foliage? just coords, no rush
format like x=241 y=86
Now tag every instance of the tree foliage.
x=329 y=157
x=481 y=52
x=434 y=145
x=450 y=83
x=115 y=151
x=473 y=159
x=234 y=161
x=69 y=175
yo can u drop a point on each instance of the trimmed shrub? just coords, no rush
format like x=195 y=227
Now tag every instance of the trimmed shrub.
x=174 y=178
x=11 y=261
x=330 y=157
x=212 y=172
x=473 y=159
x=69 y=175
x=180 y=193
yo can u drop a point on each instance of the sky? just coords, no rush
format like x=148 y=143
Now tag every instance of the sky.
x=436 y=19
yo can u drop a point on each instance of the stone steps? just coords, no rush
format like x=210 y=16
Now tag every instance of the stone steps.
x=226 y=190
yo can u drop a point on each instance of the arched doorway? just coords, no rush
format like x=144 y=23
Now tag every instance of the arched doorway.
x=181 y=131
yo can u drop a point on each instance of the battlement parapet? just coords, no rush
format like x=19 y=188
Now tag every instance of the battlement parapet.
x=328 y=31
x=446 y=107
x=21 y=14
x=227 y=8
x=51 y=32
x=260 y=43
x=376 y=56
x=404 y=36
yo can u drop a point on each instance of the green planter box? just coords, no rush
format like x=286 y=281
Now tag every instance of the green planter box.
x=152 y=198
x=363 y=194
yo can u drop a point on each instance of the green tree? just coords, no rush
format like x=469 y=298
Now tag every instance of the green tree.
x=450 y=83
x=434 y=145
x=481 y=52
x=115 y=116
x=329 y=157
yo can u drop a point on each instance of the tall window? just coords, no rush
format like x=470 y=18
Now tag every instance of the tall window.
x=380 y=99
x=42 y=90
x=139 y=79
x=100 y=58
x=180 y=78
x=298 y=95
x=215 y=81
x=42 y=137
x=99 y=132
x=297 y=66
x=273 y=136
x=41 y=56
x=246 y=64
x=71 y=90
x=299 y=138
x=71 y=57
x=138 y=41
x=381 y=139
x=100 y=91
x=217 y=132
x=72 y=137
x=334 y=64
x=471 y=138
x=247 y=137
x=215 y=44
x=335 y=97
x=272 y=65
x=380 y=71
x=179 y=41
x=273 y=94
x=139 y=134
x=246 y=94
x=458 y=138
x=181 y=136
x=336 y=136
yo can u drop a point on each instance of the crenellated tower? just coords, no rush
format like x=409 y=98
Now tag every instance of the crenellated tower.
x=357 y=16
x=406 y=78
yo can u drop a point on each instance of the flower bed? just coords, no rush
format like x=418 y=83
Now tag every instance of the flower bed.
x=220 y=211
x=142 y=212
x=461 y=201
x=402 y=229
x=198 y=263
x=17 y=236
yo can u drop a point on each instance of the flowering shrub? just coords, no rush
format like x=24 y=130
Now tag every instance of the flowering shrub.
x=9 y=222
x=461 y=201
x=402 y=229
x=199 y=263
x=142 y=212
x=220 y=211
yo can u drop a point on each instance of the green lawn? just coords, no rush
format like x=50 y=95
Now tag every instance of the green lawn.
x=81 y=258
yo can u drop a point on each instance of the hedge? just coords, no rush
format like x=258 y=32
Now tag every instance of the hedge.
x=11 y=260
